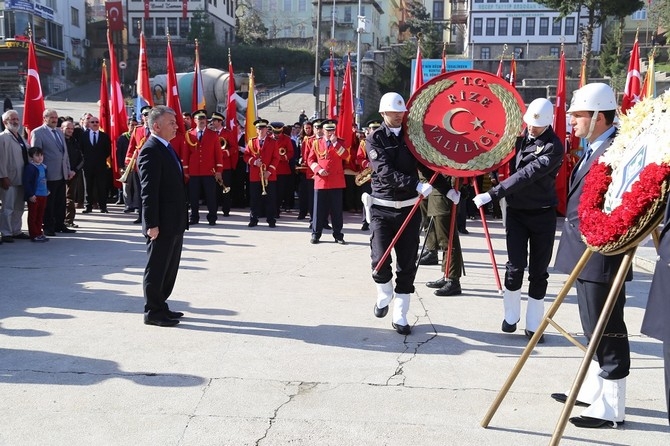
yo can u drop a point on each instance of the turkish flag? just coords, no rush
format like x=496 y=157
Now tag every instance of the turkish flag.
x=633 y=88
x=33 y=103
x=114 y=11
x=147 y=8
x=184 y=9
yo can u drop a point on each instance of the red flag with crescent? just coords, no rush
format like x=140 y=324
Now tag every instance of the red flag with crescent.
x=114 y=12
x=560 y=130
x=147 y=8
x=332 y=96
x=33 y=102
x=346 y=123
x=633 y=88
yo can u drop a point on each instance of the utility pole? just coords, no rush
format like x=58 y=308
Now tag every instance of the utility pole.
x=317 y=45
x=359 y=29
x=332 y=29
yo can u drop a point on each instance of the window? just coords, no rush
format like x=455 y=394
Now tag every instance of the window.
x=183 y=27
x=287 y=6
x=302 y=5
x=485 y=52
x=556 y=27
x=502 y=26
x=148 y=27
x=438 y=10
x=530 y=26
x=569 y=26
x=172 y=26
x=136 y=30
x=273 y=5
x=516 y=26
x=160 y=26
x=477 y=27
x=554 y=51
x=544 y=26
x=74 y=17
x=640 y=14
x=347 y=14
x=490 y=27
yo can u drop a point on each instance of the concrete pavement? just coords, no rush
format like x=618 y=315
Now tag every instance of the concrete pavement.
x=279 y=346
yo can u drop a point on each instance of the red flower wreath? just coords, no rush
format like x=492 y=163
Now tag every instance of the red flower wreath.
x=600 y=228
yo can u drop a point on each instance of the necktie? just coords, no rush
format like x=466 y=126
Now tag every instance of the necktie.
x=174 y=155
x=199 y=135
x=95 y=138
x=261 y=141
x=147 y=132
x=586 y=157
x=58 y=140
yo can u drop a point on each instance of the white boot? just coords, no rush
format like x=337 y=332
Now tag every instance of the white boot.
x=534 y=314
x=400 y=309
x=384 y=294
x=610 y=406
x=512 y=306
x=384 y=297
x=590 y=390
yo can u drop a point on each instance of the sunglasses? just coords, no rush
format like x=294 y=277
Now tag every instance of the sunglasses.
x=93 y=122
x=145 y=114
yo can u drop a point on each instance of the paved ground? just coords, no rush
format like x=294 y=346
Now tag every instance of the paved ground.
x=279 y=346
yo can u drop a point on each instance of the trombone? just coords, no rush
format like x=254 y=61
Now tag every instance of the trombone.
x=225 y=188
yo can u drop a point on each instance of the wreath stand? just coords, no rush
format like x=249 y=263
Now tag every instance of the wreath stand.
x=589 y=351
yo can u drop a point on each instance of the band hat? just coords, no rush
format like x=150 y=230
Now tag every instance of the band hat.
x=200 y=114
x=261 y=123
x=373 y=124
x=317 y=123
x=145 y=108
x=217 y=115
x=277 y=126
x=329 y=125
x=185 y=114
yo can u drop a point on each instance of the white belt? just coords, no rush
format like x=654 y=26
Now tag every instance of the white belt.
x=395 y=204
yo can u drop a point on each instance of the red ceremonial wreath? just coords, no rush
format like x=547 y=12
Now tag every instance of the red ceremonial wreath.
x=600 y=228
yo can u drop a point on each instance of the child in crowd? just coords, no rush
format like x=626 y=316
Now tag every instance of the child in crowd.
x=35 y=192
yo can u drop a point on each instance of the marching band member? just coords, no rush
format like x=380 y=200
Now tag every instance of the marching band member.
x=262 y=157
x=326 y=161
x=395 y=190
x=364 y=163
x=230 y=153
x=284 y=174
x=203 y=166
x=131 y=188
x=305 y=174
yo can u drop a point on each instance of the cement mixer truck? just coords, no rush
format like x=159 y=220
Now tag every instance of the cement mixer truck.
x=215 y=85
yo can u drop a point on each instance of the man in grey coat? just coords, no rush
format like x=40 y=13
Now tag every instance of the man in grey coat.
x=13 y=156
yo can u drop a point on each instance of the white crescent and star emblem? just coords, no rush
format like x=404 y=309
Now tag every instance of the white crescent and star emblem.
x=448 y=126
x=33 y=73
x=114 y=13
x=373 y=154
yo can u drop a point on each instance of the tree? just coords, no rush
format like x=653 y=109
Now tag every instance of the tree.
x=419 y=23
x=597 y=12
x=396 y=73
x=201 y=28
x=611 y=63
x=659 y=17
x=250 y=27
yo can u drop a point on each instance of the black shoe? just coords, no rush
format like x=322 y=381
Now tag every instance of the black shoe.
x=340 y=241
x=402 y=329
x=430 y=258
x=365 y=226
x=175 y=314
x=104 y=211
x=593 y=423
x=49 y=233
x=21 y=236
x=226 y=214
x=327 y=226
x=381 y=312
x=508 y=328
x=463 y=231
x=193 y=222
x=7 y=239
x=211 y=223
x=451 y=288
x=439 y=283
x=529 y=334
x=87 y=211
x=66 y=230
x=302 y=217
x=129 y=211
x=314 y=240
x=161 y=321
x=272 y=224
x=562 y=398
x=137 y=221
x=253 y=223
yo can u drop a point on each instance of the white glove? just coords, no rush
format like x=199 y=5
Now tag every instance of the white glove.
x=481 y=199
x=424 y=189
x=454 y=195
x=366 y=198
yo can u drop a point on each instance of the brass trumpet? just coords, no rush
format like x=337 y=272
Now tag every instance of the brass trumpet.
x=363 y=176
x=129 y=169
x=264 y=181
x=225 y=188
x=282 y=151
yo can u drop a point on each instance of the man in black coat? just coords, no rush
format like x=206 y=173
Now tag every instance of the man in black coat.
x=164 y=215
x=96 y=146
x=592 y=111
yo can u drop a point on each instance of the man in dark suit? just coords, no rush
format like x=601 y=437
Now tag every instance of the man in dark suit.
x=655 y=322
x=592 y=111
x=50 y=139
x=96 y=146
x=164 y=215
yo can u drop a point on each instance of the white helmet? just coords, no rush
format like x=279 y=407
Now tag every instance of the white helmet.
x=392 y=102
x=595 y=97
x=540 y=113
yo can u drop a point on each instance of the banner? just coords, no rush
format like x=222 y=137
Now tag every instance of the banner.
x=198 y=92
x=252 y=113
x=33 y=102
x=345 y=125
x=633 y=89
x=144 y=96
x=114 y=13
x=560 y=130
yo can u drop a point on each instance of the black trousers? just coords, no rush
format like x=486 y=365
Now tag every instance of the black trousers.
x=263 y=204
x=438 y=237
x=226 y=200
x=613 y=352
x=54 y=213
x=530 y=241
x=385 y=223
x=198 y=185
x=305 y=195
x=284 y=190
x=160 y=273
x=328 y=202
x=97 y=185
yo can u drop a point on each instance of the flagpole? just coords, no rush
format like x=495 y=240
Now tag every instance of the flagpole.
x=317 y=45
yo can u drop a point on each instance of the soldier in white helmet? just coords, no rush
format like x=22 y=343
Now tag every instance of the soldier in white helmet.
x=530 y=193
x=395 y=189
x=592 y=111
